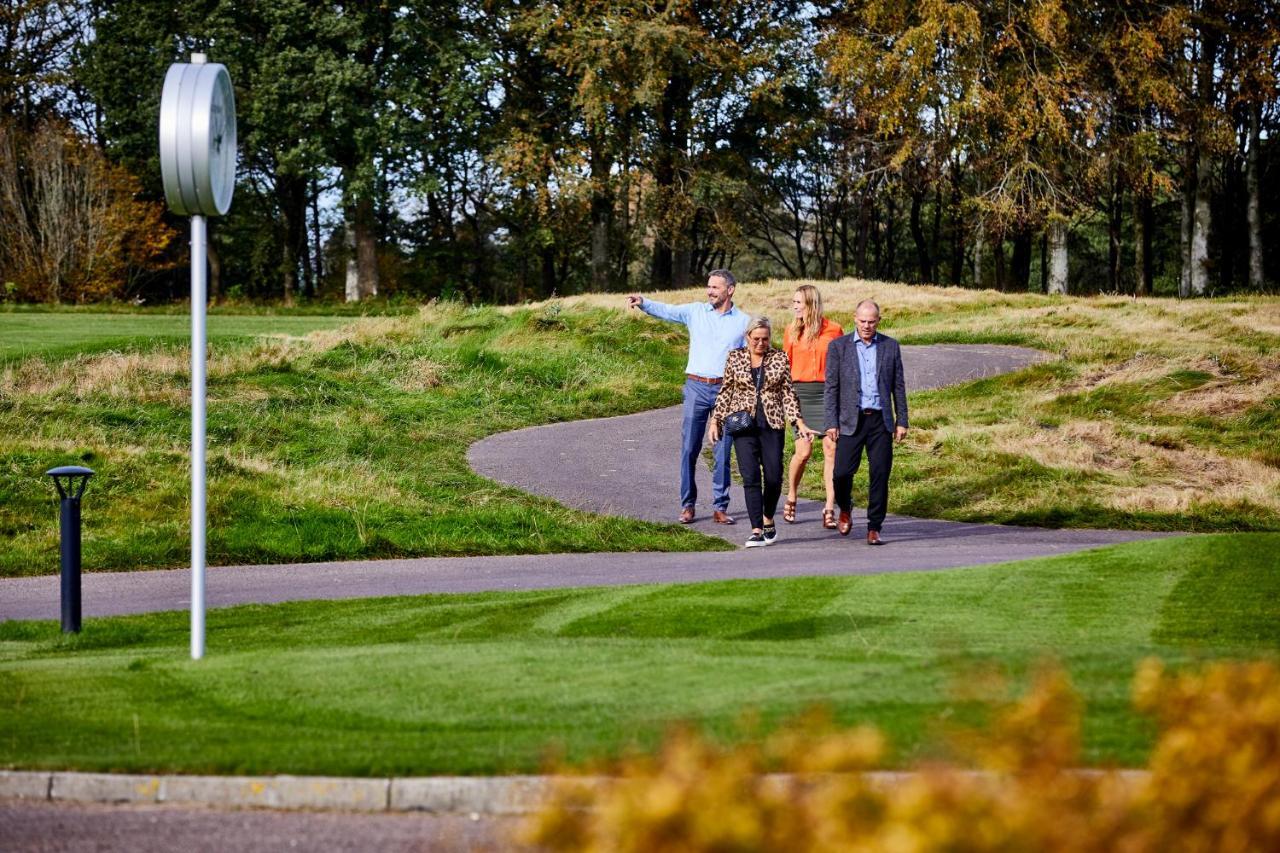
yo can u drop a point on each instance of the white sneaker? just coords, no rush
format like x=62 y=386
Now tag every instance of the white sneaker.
x=757 y=540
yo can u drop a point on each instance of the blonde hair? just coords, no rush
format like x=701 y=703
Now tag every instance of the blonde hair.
x=808 y=327
x=760 y=322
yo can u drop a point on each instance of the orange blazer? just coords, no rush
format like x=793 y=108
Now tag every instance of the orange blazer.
x=809 y=358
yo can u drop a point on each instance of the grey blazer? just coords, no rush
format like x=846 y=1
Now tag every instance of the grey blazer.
x=842 y=394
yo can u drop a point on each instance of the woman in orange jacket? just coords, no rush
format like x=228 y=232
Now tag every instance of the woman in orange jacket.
x=805 y=342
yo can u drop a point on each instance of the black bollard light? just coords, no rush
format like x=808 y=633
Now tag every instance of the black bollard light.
x=70 y=480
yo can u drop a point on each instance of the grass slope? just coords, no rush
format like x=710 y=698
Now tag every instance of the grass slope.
x=487 y=683
x=349 y=444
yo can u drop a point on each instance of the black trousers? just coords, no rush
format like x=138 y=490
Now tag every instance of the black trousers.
x=878 y=441
x=760 y=450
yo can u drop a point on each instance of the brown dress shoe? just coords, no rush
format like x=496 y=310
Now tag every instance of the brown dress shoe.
x=873 y=537
x=722 y=517
x=686 y=515
x=845 y=524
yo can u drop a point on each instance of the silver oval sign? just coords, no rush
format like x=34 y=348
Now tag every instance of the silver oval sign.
x=198 y=139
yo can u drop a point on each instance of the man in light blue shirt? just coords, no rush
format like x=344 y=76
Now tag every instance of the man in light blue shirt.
x=715 y=328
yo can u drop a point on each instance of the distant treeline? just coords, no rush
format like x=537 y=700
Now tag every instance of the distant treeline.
x=504 y=150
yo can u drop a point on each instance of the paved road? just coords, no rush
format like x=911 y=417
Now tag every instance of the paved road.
x=27 y=826
x=618 y=466
x=628 y=465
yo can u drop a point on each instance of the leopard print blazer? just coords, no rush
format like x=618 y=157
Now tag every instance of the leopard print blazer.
x=738 y=392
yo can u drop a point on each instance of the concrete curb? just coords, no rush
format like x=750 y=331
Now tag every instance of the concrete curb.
x=471 y=795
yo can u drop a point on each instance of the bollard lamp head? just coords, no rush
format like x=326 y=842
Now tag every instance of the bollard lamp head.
x=70 y=480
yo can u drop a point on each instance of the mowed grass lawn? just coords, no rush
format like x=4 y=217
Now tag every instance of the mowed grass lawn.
x=70 y=333
x=496 y=682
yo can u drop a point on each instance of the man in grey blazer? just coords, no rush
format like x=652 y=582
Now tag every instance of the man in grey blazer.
x=866 y=395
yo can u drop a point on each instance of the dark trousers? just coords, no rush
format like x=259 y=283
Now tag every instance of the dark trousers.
x=878 y=441
x=760 y=449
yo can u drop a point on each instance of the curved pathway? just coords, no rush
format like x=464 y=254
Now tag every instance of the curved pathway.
x=616 y=466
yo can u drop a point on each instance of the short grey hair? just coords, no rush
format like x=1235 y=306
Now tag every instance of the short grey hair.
x=761 y=322
x=724 y=274
x=870 y=302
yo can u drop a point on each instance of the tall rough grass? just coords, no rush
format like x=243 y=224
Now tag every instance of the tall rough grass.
x=1153 y=413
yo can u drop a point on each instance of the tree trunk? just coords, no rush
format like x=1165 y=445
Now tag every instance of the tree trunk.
x=957 y=232
x=1142 y=228
x=1201 y=214
x=673 y=134
x=1057 y=234
x=215 y=268
x=601 y=217
x=979 y=249
x=1044 y=260
x=917 y=234
x=1253 y=183
x=1188 y=203
x=1021 y=260
x=1200 y=228
x=353 y=272
x=291 y=196
x=317 y=242
x=890 y=239
x=1114 y=222
x=1001 y=274
x=864 y=231
x=288 y=273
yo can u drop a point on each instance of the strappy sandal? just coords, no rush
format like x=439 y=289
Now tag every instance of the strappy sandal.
x=789 y=511
x=829 y=519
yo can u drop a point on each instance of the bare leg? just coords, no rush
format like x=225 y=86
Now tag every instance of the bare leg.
x=799 y=459
x=828 y=467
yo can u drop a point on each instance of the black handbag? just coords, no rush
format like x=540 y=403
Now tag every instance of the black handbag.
x=740 y=422
x=737 y=423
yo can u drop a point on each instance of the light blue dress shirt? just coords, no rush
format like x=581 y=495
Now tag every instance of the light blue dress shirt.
x=711 y=334
x=867 y=373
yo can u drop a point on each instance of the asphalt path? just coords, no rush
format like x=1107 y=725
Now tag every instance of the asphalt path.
x=615 y=466
x=31 y=826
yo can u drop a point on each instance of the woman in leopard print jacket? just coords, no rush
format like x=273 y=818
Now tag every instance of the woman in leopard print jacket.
x=759 y=448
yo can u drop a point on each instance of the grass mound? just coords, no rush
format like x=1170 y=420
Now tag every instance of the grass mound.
x=350 y=443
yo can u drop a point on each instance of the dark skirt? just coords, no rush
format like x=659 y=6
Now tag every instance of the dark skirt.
x=812 y=408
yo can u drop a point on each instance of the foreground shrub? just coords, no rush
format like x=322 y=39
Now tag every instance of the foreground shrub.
x=1213 y=783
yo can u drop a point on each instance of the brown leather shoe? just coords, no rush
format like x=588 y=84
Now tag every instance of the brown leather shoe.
x=845 y=524
x=873 y=537
x=722 y=517
x=686 y=515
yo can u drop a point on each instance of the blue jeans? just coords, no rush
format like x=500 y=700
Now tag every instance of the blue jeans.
x=699 y=399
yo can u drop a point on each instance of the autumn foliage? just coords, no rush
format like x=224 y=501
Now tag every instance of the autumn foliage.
x=1213 y=783
x=72 y=225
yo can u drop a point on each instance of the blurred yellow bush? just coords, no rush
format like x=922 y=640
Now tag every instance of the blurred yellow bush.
x=1213 y=783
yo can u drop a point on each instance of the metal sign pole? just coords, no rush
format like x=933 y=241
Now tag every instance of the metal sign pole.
x=199 y=286
x=198 y=164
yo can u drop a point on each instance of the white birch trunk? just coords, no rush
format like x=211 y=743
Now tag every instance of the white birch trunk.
x=353 y=269
x=1200 y=230
x=1057 y=257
